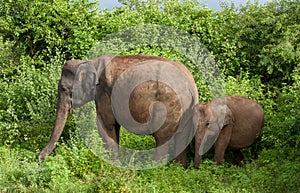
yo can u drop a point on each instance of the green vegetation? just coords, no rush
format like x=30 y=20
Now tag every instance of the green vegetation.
x=256 y=47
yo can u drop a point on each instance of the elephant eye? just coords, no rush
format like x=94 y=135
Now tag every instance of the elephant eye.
x=207 y=124
x=64 y=88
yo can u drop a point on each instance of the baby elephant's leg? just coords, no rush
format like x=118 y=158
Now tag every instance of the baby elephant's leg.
x=222 y=143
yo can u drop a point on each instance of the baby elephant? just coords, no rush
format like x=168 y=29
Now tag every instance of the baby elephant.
x=229 y=122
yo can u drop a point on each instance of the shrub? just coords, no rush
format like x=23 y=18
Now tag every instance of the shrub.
x=282 y=127
x=40 y=27
x=28 y=98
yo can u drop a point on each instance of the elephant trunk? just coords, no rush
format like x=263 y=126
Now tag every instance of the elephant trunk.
x=197 y=158
x=62 y=111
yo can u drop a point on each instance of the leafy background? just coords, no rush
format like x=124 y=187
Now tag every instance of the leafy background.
x=256 y=47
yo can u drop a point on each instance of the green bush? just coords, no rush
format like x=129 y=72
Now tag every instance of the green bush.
x=28 y=98
x=268 y=40
x=282 y=128
x=39 y=28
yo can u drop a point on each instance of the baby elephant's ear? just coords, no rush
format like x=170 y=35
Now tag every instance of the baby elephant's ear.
x=202 y=108
x=228 y=117
x=84 y=84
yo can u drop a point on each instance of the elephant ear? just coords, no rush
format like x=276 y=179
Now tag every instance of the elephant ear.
x=201 y=108
x=84 y=84
x=228 y=117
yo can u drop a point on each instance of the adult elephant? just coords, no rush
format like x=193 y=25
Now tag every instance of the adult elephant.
x=229 y=122
x=145 y=94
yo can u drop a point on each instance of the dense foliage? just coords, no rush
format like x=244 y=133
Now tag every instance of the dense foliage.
x=40 y=28
x=256 y=47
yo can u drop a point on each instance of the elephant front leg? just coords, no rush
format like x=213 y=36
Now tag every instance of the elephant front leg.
x=197 y=161
x=108 y=128
x=110 y=136
x=198 y=151
x=222 y=143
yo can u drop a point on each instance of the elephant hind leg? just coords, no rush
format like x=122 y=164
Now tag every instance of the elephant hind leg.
x=239 y=156
x=182 y=142
x=163 y=138
x=181 y=158
x=162 y=149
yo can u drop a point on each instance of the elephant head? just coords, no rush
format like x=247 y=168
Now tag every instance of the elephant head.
x=84 y=85
x=76 y=87
x=212 y=118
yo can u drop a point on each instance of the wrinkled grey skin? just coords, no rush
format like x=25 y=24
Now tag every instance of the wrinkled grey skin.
x=95 y=80
x=233 y=121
